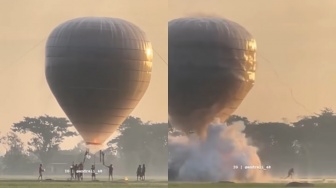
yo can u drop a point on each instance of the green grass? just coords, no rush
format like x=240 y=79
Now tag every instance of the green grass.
x=241 y=185
x=85 y=184
x=134 y=184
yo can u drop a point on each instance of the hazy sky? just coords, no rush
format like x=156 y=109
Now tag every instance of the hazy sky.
x=24 y=26
x=297 y=37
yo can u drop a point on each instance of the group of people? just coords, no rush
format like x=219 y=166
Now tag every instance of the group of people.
x=141 y=172
x=76 y=171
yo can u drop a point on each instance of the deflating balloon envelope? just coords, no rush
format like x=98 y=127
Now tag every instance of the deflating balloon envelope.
x=98 y=70
x=212 y=64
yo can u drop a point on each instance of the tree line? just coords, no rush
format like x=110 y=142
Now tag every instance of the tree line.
x=138 y=142
x=307 y=145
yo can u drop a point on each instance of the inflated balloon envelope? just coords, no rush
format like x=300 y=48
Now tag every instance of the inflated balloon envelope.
x=212 y=64
x=98 y=69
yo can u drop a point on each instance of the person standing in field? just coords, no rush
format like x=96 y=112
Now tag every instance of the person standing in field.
x=41 y=170
x=110 y=168
x=143 y=172
x=75 y=171
x=93 y=172
x=80 y=174
x=139 y=171
x=72 y=171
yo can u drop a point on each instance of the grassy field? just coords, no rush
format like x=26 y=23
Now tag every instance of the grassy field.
x=134 y=184
x=240 y=185
x=149 y=184
x=85 y=184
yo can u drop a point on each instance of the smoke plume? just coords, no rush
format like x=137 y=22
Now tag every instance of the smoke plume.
x=214 y=158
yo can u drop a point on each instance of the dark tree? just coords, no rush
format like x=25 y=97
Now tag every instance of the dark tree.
x=235 y=118
x=48 y=133
x=316 y=136
x=140 y=143
x=15 y=160
x=305 y=144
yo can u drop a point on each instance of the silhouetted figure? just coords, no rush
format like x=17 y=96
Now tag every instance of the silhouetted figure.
x=75 y=171
x=72 y=171
x=143 y=172
x=139 y=171
x=81 y=167
x=86 y=153
x=290 y=173
x=110 y=171
x=80 y=174
x=93 y=172
x=40 y=172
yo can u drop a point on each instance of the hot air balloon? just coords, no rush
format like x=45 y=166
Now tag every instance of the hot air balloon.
x=212 y=64
x=98 y=69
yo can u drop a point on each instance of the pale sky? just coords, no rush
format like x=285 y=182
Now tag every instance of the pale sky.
x=297 y=37
x=24 y=26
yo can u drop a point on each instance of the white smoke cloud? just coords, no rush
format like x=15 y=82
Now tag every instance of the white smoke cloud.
x=214 y=158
